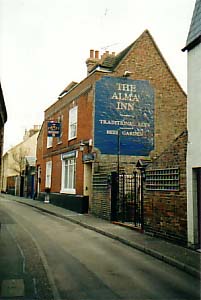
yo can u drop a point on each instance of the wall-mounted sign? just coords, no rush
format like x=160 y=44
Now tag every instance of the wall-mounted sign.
x=88 y=157
x=68 y=155
x=124 y=116
x=53 y=129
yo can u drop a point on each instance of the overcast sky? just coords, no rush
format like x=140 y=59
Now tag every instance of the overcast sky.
x=44 y=45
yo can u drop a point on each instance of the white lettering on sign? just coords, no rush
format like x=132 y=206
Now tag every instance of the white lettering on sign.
x=121 y=95
x=132 y=133
x=125 y=96
x=125 y=123
x=125 y=106
x=126 y=87
x=115 y=132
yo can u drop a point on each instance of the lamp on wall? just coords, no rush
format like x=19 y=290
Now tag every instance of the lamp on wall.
x=82 y=144
x=127 y=73
x=85 y=144
x=87 y=156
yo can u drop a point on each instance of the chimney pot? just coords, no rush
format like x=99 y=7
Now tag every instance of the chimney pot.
x=97 y=54
x=91 y=53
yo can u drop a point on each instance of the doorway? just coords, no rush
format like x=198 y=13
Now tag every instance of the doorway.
x=88 y=181
x=127 y=199
x=198 y=173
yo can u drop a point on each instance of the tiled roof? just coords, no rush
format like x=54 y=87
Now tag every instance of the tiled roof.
x=194 y=35
x=111 y=62
x=68 y=88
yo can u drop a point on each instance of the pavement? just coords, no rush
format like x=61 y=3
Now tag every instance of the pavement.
x=183 y=258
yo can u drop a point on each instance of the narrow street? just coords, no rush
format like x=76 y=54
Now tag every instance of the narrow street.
x=57 y=259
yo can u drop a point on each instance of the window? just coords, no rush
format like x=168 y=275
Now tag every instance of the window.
x=68 y=172
x=163 y=179
x=49 y=141
x=72 y=130
x=48 y=174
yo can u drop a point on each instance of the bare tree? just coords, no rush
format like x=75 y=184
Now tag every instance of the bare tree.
x=18 y=165
x=18 y=156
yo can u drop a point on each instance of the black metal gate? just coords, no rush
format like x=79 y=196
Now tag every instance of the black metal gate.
x=127 y=198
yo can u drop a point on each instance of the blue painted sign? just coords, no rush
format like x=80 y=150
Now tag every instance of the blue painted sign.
x=124 y=112
x=53 y=129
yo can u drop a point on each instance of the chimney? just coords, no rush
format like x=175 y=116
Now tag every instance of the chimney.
x=92 y=60
x=96 y=54
x=91 y=53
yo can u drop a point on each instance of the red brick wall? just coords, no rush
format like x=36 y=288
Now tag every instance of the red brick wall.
x=56 y=174
x=145 y=61
x=84 y=101
x=165 y=212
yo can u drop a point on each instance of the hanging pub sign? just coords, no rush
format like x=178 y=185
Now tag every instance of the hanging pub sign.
x=53 y=129
x=124 y=116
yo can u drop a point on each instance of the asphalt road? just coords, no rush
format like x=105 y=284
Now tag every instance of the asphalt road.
x=84 y=265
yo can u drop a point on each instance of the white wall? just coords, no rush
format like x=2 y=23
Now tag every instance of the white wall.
x=8 y=164
x=194 y=138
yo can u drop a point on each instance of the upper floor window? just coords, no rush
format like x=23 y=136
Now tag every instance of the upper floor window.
x=72 y=130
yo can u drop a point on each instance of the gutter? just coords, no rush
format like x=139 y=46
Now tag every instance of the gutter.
x=193 y=44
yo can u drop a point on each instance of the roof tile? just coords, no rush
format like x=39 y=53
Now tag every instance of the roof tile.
x=195 y=27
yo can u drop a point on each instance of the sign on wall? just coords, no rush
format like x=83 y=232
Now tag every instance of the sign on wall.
x=124 y=116
x=53 y=129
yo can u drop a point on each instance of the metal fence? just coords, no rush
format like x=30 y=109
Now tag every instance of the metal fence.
x=127 y=198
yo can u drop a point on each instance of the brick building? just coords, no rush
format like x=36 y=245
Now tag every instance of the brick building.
x=130 y=107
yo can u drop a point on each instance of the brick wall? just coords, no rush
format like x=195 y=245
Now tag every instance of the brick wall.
x=81 y=96
x=165 y=212
x=146 y=62
x=101 y=196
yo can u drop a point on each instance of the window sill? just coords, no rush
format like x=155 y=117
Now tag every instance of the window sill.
x=73 y=138
x=68 y=191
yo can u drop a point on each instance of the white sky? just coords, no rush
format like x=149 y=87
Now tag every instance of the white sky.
x=44 y=45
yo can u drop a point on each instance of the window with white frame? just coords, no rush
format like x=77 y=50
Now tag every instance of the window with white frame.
x=49 y=141
x=68 y=172
x=48 y=174
x=72 y=130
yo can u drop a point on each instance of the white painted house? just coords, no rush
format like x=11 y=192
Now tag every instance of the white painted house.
x=193 y=47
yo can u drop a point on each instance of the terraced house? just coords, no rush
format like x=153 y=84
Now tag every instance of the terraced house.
x=128 y=113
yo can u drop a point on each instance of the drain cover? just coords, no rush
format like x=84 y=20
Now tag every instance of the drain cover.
x=12 y=288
